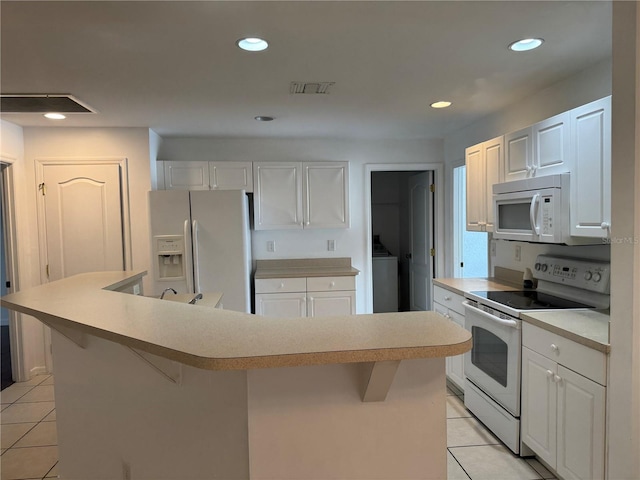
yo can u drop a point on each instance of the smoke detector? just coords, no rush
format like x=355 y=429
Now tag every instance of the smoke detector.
x=310 y=88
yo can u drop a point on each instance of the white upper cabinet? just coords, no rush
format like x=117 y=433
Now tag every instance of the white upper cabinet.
x=484 y=163
x=541 y=149
x=291 y=195
x=186 y=175
x=205 y=176
x=231 y=176
x=591 y=175
x=326 y=194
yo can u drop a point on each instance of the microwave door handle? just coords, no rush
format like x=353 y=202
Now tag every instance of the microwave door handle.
x=532 y=213
x=492 y=318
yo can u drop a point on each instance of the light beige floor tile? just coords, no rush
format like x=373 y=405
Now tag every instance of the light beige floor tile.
x=455 y=408
x=540 y=468
x=493 y=462
x=37 y=380
x=41 y=393
x=48 y=381
x=14 y=392
x=10 y=434
x=454 y=470
x=53 y=473
x=42 y=435
x=50 y=418
x=34 y=462
x=467 y=431
x=26 y=412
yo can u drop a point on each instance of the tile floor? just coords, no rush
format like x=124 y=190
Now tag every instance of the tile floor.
x=29 y=443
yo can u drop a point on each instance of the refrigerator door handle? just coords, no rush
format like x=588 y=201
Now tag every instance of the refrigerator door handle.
x=196 y=259
x=188 y=273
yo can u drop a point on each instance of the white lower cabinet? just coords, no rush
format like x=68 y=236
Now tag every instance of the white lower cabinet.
x=563 y=412
x=306 y=297
x=449 y=304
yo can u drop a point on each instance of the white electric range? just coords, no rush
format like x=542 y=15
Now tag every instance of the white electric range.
x=493 y=366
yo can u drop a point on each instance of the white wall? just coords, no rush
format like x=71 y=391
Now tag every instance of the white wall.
x=351 y=242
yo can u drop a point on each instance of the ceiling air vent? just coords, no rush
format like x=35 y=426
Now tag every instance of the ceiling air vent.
x=310 y=88
x=42 y=103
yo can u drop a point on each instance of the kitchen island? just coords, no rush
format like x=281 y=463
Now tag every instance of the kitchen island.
x=164 y=390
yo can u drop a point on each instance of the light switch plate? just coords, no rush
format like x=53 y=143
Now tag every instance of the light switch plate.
x=331 y=245
x=271 y=246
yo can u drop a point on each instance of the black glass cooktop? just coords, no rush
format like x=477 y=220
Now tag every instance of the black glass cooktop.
x=530 y=300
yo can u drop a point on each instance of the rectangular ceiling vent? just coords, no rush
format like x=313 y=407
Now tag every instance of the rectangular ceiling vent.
x=42 y=103
x=310 y=88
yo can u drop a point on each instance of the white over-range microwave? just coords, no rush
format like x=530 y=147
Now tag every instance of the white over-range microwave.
x=535 y=210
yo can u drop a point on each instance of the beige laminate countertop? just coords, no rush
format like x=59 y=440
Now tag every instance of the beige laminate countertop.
x=216 y=339
x=304 y=267
x=464 y=285
x=587 y=327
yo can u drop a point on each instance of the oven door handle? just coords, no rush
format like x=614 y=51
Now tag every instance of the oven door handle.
x=493 y=318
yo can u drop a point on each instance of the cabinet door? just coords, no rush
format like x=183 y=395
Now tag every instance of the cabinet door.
x=456 y=373
x=551 y=146
x=277 y=196
x=326 y=195
x=581 y=417
x=591 y=176
x=186 y=175
x=539 y=405
x=231 y=176
x=518 y=154
x=493 y=164
x=324 y=304
x=281 y=304
x=476 y=188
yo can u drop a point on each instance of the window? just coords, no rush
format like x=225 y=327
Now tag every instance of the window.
x=470 y=253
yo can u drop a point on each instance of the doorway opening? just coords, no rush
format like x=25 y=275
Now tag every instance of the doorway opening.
x=402 y=236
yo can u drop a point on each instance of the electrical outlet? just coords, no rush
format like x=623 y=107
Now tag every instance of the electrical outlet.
x=518 y=253
x=271 y=246
x=493 y=248
x=331 y=245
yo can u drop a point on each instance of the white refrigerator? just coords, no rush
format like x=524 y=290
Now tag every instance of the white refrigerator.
x=201 y=243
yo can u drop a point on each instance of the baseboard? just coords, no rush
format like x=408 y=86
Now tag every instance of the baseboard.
x=37 y=371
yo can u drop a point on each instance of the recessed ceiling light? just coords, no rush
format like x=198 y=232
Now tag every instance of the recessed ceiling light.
x=252 y=44
x=441 y=104
x=526 y=44
x=54 y=116
x=264 y=118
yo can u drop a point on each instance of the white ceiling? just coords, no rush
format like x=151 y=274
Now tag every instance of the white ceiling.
x=174 y=66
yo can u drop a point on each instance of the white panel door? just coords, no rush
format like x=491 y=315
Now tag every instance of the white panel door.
x=539 y=405
x=324 y=304
x=518 y=154
x=83 y=218
x=581 y=417
x=326 y=195
x=551 y=146
x=493 y=164
x=476 y=188
x=421 y=263
x=277 y=196
x=281 y=304
x=186 y=175
x=231 y=176
x=591 y=176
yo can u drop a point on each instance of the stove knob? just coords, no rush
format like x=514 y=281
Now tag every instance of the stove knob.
x=544 y=267
x=597 y=277
x=537 y=266
x=588 y=275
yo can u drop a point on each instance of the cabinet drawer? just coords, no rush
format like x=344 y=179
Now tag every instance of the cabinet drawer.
x=579 y=358
x=281 y=285
x=449 y=299
x=328 y=284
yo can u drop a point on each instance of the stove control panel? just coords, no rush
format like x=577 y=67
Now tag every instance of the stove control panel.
x=592 y=275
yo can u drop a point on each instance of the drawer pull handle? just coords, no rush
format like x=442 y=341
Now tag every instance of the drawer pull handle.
x=332 y=284
x=555 y=348
x=557 y=379
x=550 y=374
x=447 y=298
x=281 y=285
x=446 y=315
